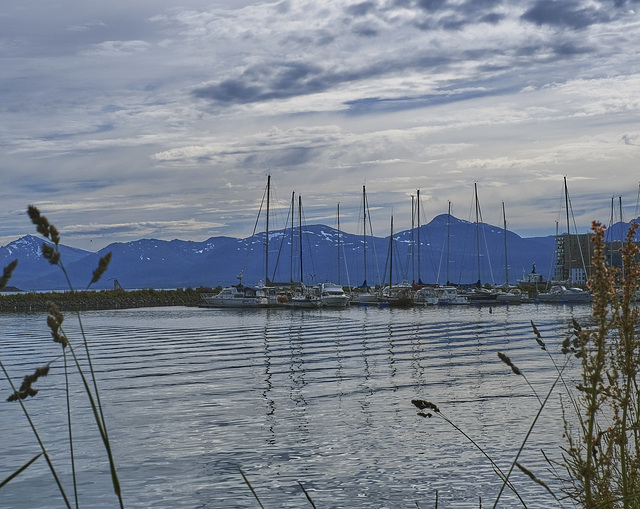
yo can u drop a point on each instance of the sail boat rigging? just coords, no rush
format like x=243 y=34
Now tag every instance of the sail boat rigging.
x=365 y=296
x=564 y=265
x=240 y=295
x=478 y=294
x=508 y=296
x=506 y=257
x=400 y=295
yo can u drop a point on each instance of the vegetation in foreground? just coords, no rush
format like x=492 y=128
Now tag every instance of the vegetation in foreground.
x=599 y=467
x=71 y=360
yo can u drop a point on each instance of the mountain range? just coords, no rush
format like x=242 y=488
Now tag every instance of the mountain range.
x=446 y=249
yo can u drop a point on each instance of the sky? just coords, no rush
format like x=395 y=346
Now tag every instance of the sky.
x=162 y=119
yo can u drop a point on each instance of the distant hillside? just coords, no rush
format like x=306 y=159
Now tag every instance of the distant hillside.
x=445 y=249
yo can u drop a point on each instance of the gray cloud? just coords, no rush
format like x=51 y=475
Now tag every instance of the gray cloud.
x=361 y=9
x=568 y=13
x=431 y=5
x=155 y=113
x=282 y=79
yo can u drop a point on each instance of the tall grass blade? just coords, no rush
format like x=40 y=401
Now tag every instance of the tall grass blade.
x=37 y=435
x=99 y=422
x=69 y=428
x=422 y=404
x=533 y=423
x=307 y=495
x=23 y=467
x=251 y=487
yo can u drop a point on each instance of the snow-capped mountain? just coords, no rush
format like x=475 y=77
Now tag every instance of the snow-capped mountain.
x=445 y=249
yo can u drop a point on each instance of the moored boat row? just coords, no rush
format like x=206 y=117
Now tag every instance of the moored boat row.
x=328 y=295
x=324 y=295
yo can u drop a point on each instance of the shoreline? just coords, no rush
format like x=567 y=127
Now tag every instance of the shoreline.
x=91 y=300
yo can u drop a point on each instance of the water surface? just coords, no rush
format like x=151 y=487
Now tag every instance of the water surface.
x=320 y=397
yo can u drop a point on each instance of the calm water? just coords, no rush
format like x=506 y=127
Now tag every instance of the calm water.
x=317 y=397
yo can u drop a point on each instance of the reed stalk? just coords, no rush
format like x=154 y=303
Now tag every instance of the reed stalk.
x=32 y=425
x=423 y=405
x=22 y=468
x=54 y=321
x=601 y=461
x=251 y=488
x=602 y=457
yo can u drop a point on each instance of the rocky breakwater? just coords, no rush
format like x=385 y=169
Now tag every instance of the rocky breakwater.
x=105 y=299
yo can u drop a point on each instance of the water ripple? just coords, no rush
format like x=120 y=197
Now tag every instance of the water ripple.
x=322 y=398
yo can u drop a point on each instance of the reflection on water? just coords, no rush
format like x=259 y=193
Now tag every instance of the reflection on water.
x=318 y=397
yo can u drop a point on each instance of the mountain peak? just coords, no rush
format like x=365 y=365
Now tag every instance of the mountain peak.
x=152 y=263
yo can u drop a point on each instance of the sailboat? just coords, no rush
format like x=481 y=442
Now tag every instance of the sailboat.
x=424 y=295
x=332 y=295
x=305 y=297
x=563 y=292
x=365 y=296
x=240 y=295
x=419 y=283
x=399 y=295
x=477 y=294
x=508 y=295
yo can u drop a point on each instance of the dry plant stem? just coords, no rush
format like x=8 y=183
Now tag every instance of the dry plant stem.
x=86 y=345
x=629 y=318
x=37 y=435
x=602 y=458
x=504 y=358
x=73 y=462
x=421 y=404
x=533 y=423
x=501 y=474
x=53 y=255
x=593 y=365
x=251 y=488
x=543 y=346
x=101 y=428
x=22 y=468
x=307 y=495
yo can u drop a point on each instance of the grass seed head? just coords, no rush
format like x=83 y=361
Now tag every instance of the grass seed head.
x=54 y=321
x=51 y=254
x=6 y=275
x=504 y=358
x=41 y=222
x=26 y=390
x=102 y=266
x=421 y=404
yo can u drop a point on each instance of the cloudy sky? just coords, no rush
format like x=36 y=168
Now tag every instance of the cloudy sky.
x=161 y=119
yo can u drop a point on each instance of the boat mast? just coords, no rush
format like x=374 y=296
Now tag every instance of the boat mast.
x=364 y=234
x=266 y=240
x=506 y=260
x=412 y=242
x=611 y=223
x=475 y=188
x=293 y=213
x=339 y=240
x=418 y=212
x=621 y=235
x=448 y=239
x=300 y=234
x=391 y=257
x=566 y=205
